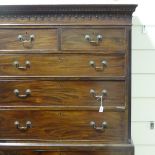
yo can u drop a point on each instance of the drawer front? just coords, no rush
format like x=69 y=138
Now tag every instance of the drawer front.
x=29 y=125
x=28 y=39
x=105 y=39
x=104 y=152
x=72 y=125
x=82 y=65
x=44 y=152
x=28 y=152
x=108 y=127
x=65 y=93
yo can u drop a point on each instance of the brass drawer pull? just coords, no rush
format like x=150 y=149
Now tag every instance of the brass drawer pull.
x=98 y=68
x=27 y=40
x=99 y=38
x=27 y=93
x=23 y=128
x=101 y=128
x=17 y=65
x=96 y=96
x=99 y=98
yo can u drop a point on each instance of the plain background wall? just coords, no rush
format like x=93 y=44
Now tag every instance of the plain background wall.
x=143 y=67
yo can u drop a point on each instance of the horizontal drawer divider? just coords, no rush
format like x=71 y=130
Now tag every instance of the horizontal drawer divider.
x=63 y=146
x=62 y=78
x=46 y=51
x=65 y=108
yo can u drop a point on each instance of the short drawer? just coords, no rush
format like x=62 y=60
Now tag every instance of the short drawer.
x=109 y=127
x=28 y=39
x=62 y=93
x=104 y=39
x=82 y=65
x=111 y=151
x=27 y=152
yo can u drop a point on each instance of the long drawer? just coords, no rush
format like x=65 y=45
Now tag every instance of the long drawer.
x=104 y=39
x=61 y=93
x=28 y=39
x=63 y=125
x=83 y=65
x=121 y=151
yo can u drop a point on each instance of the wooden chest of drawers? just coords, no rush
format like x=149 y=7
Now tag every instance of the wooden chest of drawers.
x=65 y=78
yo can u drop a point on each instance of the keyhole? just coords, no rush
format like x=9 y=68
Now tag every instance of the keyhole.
x=25 y=37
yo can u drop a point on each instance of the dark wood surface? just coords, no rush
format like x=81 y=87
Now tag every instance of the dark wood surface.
x=116 y=152
x=110 y=152
x=67 y=9
x=57 y=125
x=28 y=153
x=74 y=39
x=60 y=77
x=67 y=14
x=63 y=65
x=62 y=93
x=73 y=146
x=43 y=39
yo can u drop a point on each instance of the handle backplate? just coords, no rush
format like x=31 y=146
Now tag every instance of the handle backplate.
x=98 y=68
x=27 y=40
x=28 y=125
x=99 y=128
x=27 y=93
x=96 y=96
x=95 y=42
x=24 y=67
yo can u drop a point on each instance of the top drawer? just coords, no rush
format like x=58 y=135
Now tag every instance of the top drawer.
x=28 y=39
x=105 y=39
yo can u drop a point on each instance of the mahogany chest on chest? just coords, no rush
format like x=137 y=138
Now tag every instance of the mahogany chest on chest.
x=65 y=80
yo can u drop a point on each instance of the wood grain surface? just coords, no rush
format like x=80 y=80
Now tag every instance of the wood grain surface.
x=109 y=152
x=113 y=39
x=62 y=93
x=62 y=65
x=64 y=125
x=44 y=39
x=60 y=74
